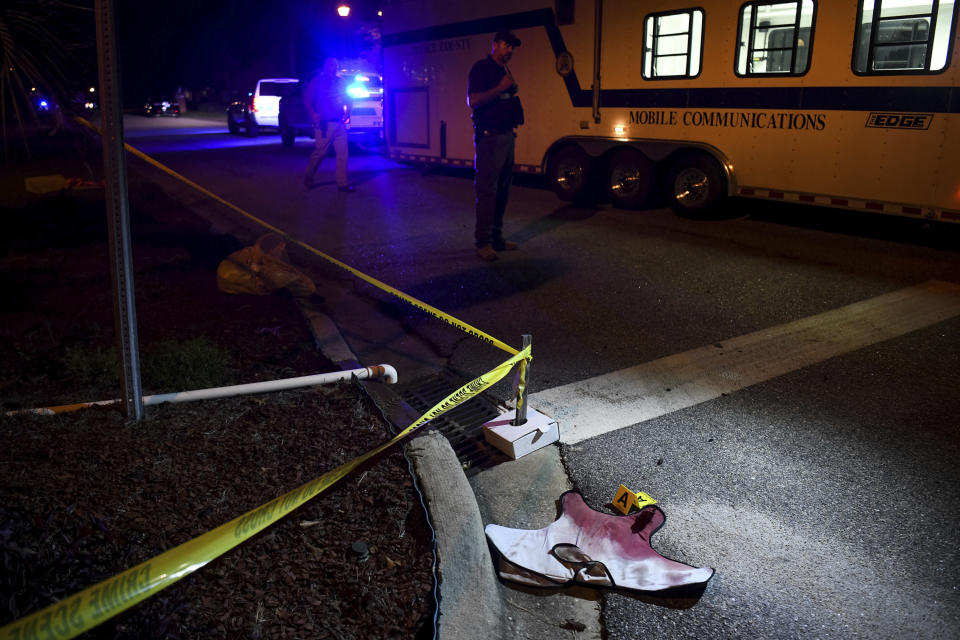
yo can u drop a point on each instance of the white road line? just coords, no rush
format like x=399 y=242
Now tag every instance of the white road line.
x=589 y=408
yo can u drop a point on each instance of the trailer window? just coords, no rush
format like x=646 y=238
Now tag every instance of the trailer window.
x=903 y=36
x=775 y=38
x=672 y=44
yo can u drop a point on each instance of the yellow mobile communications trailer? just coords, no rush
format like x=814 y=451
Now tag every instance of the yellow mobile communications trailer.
x=844 y=103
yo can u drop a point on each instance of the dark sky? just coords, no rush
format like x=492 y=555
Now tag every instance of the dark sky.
x=227 y=45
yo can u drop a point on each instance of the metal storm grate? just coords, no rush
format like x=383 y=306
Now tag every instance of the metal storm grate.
x=462 y=426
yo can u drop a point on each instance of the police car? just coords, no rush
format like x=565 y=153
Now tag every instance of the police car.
x=365 y=93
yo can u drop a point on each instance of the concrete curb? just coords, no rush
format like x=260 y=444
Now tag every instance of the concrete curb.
x=327 y=336
x=474 y=603
x=469 y=604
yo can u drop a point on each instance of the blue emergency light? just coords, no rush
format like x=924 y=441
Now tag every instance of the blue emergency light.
x=357 y=89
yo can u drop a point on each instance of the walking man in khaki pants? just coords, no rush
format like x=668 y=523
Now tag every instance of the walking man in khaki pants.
x=326 y=101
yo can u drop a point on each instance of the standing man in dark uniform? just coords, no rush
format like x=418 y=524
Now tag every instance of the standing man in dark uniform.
x=325 y=99
x=492 y=94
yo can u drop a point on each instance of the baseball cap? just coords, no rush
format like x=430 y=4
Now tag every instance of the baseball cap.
x=507 y=37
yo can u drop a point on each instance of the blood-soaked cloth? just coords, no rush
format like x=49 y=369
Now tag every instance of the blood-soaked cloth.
x=593 y=548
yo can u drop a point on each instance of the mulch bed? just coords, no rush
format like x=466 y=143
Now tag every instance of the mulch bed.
x=88 y=494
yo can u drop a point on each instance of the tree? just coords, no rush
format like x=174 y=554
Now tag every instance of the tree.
x=47 y=48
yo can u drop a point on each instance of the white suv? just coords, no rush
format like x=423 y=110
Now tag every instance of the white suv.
x=261 y=107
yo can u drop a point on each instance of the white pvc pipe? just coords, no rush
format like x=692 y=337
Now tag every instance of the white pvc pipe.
x=385 y=371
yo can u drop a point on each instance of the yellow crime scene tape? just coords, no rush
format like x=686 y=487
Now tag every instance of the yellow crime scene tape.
x=97 y=604
x=437 y=313
x=94 y=605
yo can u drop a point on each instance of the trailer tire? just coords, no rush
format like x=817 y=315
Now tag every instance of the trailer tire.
x=232 y=125
x=630 y=175
x=253 y=130
x=695 y=184
x=570 y=173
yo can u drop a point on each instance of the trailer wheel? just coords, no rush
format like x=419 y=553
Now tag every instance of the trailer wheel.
x=696 y=184
x=629 y=178
x=232 y=125
x=252 y=129
x=569 y=172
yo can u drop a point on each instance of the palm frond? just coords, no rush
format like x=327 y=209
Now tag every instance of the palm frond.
x=45 y=45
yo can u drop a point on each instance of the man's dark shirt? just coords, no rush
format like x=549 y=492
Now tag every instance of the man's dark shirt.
x=500 y=114
x=326 y=95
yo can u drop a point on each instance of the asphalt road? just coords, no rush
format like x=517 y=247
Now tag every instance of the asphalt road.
x=825 y=494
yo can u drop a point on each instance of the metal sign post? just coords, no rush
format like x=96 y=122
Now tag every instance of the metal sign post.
x=527 y=429
x=118 y=214
x=523 y=368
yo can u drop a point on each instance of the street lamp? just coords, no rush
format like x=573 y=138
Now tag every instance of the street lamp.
x=343 y=10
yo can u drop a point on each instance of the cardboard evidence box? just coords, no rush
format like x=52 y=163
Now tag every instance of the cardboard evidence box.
x=516 y=441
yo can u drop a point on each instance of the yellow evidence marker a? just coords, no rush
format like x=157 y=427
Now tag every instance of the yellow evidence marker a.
x=626 y=499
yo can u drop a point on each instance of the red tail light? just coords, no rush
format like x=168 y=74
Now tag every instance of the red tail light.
x=253 y=104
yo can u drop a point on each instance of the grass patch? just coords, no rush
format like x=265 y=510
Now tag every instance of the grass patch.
x=90 y=366
x=167 y=366
x=181 y=366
